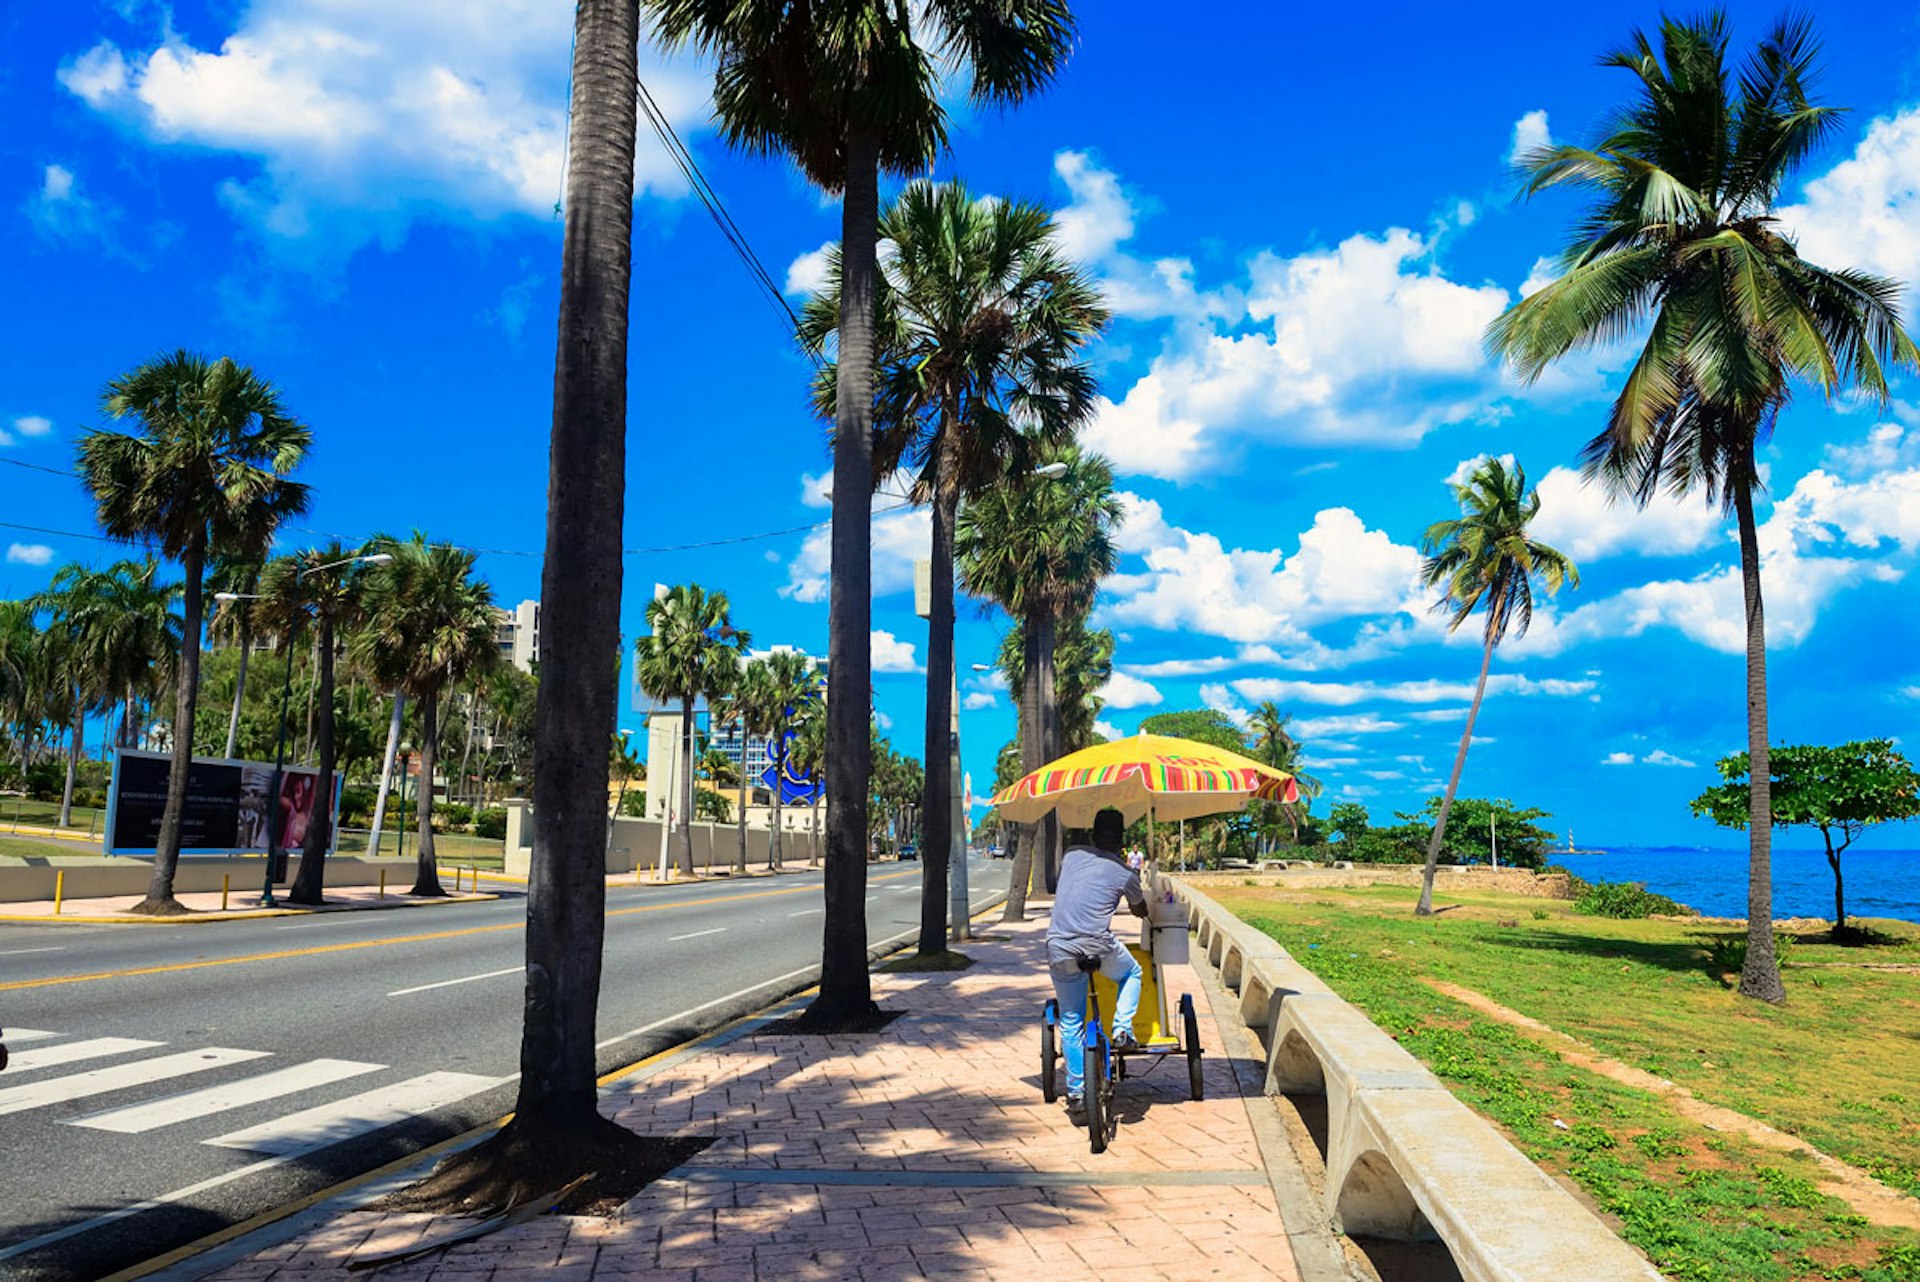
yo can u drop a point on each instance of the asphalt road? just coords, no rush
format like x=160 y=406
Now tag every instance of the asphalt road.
x=171 y=1080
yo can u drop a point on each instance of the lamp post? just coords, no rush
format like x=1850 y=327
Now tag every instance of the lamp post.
x=276 y=824
x=400 y=828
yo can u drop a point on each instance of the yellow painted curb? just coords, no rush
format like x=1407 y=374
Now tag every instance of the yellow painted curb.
x=245 y=914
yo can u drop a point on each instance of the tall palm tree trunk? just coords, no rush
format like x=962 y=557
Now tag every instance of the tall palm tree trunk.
x=1760 y=975
x=426 y=876
x=1038 y=692
x=1425 y=907
x=309 y=884
x=685 y=799
x=936 y=802
x=740 y=864
x=75 y=750
x=846 y=993
x=386 y=772
x=239 y=691
x=166 y=854
x=779 y=775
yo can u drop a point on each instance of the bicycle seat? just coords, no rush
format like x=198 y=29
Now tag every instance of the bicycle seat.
x=1089 y=964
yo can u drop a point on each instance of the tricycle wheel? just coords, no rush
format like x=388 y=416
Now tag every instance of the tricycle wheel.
x=1196 y=1079
x=1049 y=1054
x=1099 y=1103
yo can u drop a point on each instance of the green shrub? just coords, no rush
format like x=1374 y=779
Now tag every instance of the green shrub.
x=1623 y=899
x=451 y=814
x=356 y=807
x=1727 y=954
x=491 y=823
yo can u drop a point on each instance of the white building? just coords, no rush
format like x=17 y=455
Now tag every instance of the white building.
x=519 y=634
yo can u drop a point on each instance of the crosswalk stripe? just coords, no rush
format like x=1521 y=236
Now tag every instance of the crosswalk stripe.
x=15 y=1036
x=356 y=1115
x=99 y=1081
x=69 y=1052
x=135 y=1119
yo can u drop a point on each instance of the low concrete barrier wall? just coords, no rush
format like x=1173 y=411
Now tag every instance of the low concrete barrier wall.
x=636 y=844
x=1405 y=1158
x=1512 y=881
x=101 y=878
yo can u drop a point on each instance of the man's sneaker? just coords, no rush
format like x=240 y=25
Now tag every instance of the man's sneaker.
x=1124 y=1040
x=1077 y=1110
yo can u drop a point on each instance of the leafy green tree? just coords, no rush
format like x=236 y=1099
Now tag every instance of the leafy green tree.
x=626 y=766
x=428 y=624
x=1082 y=662
x=1348 y=820
x=850 y=89
x=1038 y=547
x=207 y=475
x=1485 y=558
x=1481 y=830
x=692 y=651
x=24 y=677
x=1202 y=725
x=231 y=624
x=1841 y=790
x=1680 y=243
x=981 y=322
x=809 y=759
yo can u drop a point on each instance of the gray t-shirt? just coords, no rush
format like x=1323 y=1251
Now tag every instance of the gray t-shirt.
x=1092 y=883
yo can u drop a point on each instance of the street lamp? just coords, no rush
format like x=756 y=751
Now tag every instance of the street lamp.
x=1055 y=468
x=276 y=825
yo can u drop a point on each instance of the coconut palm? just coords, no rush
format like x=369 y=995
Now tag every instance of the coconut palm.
x=1681 y=244
x=23 y=677
x=981 y=322
x=1484 y=559
x=794 y=703
x=335 y=601
x=809 y=754
x=232 y=624
x=428 y=625
x=207 y=475
x=1038 y=546
x=749 y=706
x=78 y=605
x=1276 y=745
x=848 y=90
x=692 y=652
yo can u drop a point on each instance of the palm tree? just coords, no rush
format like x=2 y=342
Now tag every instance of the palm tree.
x=1039 y=546
x=428 y=625
x=980 y=323
x=1681 y=243
x=849 y=90
x=206 y=476
x=793 y=702
x=75 y=603
x=809 y=754
x=232 y=624
x=1274 y=744
x=23 y=677
x=335 y=600
x=692 y=652
x=751 y=706
x=1484 y=558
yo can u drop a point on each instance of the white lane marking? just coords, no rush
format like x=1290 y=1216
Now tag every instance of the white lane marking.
x=92 y=1048
x=18 y=1035
x=58 y=1090
x=135 y=1119
x=21 y=952
x=449 y=983
x=807 y=912
x=341 y=1120
x=717 y=930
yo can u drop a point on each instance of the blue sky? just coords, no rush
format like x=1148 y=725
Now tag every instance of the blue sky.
x=1304 y=221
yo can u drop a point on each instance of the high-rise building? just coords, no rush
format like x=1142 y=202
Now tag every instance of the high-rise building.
x=518 y=634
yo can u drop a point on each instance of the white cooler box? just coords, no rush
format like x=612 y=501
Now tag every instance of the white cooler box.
x=1164 y=932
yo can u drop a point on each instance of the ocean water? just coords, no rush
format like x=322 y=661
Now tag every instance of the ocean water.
x=1879 y=883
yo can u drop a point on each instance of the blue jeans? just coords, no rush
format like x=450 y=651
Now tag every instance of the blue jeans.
x=1070 y=990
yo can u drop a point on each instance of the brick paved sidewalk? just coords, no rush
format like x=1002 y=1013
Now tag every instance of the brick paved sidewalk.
x=922 y=1152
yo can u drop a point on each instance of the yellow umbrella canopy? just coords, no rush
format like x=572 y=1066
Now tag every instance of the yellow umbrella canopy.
x=1177 y=778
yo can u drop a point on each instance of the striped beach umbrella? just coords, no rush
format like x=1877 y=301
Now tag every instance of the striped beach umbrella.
x=1175 y=778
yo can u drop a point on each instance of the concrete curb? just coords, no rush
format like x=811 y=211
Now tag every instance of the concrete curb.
x=247 y=914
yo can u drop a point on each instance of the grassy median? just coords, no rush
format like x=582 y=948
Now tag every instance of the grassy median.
x=1836 y=1065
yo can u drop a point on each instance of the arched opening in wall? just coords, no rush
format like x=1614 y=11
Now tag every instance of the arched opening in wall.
x=1294 y=1074
x=1382 y=1221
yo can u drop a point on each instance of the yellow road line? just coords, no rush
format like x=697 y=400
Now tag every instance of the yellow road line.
x=355 y=945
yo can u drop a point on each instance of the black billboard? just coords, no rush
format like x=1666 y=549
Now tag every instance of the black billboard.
x=226 y=808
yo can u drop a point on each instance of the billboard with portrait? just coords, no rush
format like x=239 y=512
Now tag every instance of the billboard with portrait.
x=227 y=806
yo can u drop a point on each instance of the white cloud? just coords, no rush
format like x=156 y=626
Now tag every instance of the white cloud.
x=363 y=114
x=1544 y=272
x=1888 y=447
x=1586 y=522
x=1092 y=225
x=31 y=425
x=1124 y=691
x=1466 y=467
x=1366 y=343
x=1107 y=730
x=1910 y=692
x=1617 y=759
x=1340 y=570
x=1865 y=211
x=882 y=720
x=1442 y=714
x=1358 y=723
x=975 y=700
x=1142 y=527
x=59 y=210
x=29 y=554
x=1343 y=694
x=1220 y=698
x=1529 y=134
x=807 y=274
x=890 y=654
x=899 y=539
x=1661 y=757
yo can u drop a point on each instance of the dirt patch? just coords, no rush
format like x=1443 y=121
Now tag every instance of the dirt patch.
x=1866 y=1195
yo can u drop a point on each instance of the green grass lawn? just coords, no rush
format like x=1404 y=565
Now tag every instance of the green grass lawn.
x=45 y=814
x=1838 y=1065
x=485 y=853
